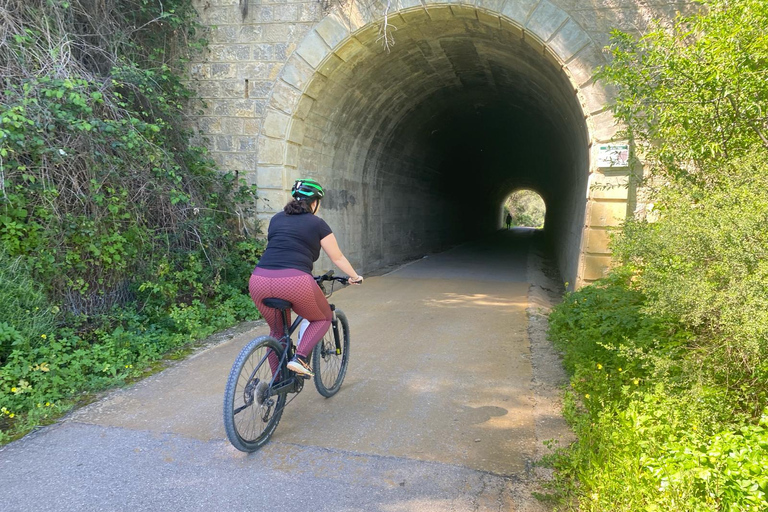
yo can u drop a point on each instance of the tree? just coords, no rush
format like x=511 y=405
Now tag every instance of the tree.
x=694 y=99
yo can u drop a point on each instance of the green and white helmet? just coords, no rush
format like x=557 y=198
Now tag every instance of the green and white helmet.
x=307 y=189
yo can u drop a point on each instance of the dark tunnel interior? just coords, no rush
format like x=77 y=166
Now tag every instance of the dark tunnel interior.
x=420 y=145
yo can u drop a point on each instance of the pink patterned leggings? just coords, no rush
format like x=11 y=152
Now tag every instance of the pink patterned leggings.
x=308 y=301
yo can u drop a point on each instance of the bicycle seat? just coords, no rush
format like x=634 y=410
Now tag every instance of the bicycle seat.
x=277 y=303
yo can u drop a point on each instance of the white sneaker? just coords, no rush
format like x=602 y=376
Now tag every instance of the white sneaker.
x=300 y=366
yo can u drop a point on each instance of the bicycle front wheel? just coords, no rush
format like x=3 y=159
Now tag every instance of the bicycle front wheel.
x=329 y=361
x=251 y=410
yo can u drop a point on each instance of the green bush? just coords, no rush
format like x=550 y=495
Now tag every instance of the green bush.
x=669 y=386
x=24 y=307
x=653 y=434
x=108 y=212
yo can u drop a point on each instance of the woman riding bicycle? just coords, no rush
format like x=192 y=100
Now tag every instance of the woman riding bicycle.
x=294 y=240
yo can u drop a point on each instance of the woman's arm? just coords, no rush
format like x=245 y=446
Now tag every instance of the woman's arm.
x=331 y=248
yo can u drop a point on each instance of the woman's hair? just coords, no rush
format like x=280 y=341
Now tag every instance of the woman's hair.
x=295 y=207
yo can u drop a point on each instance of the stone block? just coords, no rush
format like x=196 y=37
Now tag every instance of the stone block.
x=252 y=126
x=582 y=66
x=270 y=177
x=272 y=200
x=546 y=19
x=349 y=49
x=439 y=12
x=248 y=108
x=518 y=10
x=286 y=13
x=368 y=35
x=415 y=16
x=245 y=144
x=259 y=89
x=310 y=12
x=277 y=33
x=200 y=71
x=251 y=33
x=316 y=86
x=569 y=40
x=552 y=57
x=332 y=30
x=313 y=49
x=595 y=97
x=604 y=126
x=296 y=134
x=275 y=124
x=595 y=267
x=258 y=70
x=292 y=155
x=464 y=11
x=209 y=125
x=232 y=89
x=225 y=34
x=222 y=70
x=534 y=41
x=597 y=241
x=609 y=187
x=297 y=72
x=491 y=6
x=284 y=97
x=605 y=214
x=221 y=108
x=232 y=125
x=305 y=105
x=488 y=19
x=238 y=161
x=510 y=27
x=330 y=65
x=223 y=143
x=271 y=151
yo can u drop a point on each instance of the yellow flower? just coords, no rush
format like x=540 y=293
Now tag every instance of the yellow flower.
x=44 y=336
x=13 y=390
x=636 y=381
x=619 y=369
x=599 y=366
x=586 y=396
x=11 y=415
x=47 y=404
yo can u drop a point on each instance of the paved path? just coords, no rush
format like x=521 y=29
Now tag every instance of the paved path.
x=437 y=412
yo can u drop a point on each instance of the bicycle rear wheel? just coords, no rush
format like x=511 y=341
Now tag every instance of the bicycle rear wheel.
x=251 y=412
x=328 y=363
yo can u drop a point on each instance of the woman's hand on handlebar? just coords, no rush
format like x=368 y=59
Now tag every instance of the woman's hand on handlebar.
x=359 y=280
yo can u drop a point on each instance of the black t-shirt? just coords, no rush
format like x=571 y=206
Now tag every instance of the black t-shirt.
x=293 y=241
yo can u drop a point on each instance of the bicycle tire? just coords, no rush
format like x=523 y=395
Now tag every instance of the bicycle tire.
x=249 y=427
x=328 y=366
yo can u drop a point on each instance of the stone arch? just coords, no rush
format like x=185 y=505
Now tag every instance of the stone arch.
x=540 y=37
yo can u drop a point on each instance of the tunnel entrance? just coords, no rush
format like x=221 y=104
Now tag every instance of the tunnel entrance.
x=418 y=145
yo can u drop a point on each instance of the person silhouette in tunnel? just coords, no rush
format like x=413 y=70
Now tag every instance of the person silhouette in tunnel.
x=294 y=239
x=509 y=221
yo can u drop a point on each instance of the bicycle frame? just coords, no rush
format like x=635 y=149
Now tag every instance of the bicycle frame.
x=287 y=341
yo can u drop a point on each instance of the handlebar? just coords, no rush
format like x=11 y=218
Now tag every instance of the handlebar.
x=328 y=276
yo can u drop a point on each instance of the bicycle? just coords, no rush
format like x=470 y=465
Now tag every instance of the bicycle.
x=255 y=396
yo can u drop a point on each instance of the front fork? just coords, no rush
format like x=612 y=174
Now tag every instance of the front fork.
x=335 y=326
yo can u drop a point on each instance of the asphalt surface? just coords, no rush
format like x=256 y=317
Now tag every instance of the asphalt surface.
x=441 y=410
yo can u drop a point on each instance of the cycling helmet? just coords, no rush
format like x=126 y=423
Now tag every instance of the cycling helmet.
x=307 y=189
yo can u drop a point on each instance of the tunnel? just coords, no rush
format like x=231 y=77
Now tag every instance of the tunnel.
x=420 y=141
